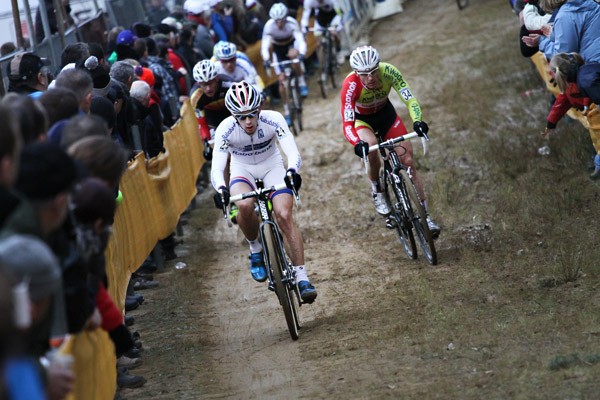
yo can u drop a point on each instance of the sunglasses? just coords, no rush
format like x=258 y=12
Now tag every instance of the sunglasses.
x=242 y=117
x=370 y=73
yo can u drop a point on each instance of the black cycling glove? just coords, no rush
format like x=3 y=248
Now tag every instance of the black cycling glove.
x=361 y=148
x=293 y=179
x=421 y=128
x=221 y=202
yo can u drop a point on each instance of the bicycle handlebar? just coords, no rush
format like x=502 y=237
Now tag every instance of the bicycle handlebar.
x=395 y=141
x=257 y=192
x=285 y=62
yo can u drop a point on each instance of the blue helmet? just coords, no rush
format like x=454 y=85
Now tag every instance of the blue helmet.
x=225 y=50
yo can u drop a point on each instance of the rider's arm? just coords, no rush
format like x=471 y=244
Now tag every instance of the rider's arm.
x=265 y=45
x=348 y=96
x=299 y=37
x=220 y=155
x=306 y=14
x=401 y=86
x=203 y=127
x=287 y=142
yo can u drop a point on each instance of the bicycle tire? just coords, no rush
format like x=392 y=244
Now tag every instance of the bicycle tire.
x=403 y=226
x=332 y=67
x=277 y=263
x=419 y=220
x=325 y=62
x=462 y=4
x=297 y=107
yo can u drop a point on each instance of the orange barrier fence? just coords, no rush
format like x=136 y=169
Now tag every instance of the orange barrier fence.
x=155 y=194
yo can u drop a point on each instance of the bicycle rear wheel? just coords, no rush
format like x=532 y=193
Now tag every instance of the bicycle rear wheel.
x=419 y=220
x=397 y=198
x=281 y=278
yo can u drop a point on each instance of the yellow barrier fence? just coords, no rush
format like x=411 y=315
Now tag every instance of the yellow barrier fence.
x=155 y=194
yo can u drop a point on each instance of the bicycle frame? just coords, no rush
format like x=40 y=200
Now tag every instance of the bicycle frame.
x=280 y=274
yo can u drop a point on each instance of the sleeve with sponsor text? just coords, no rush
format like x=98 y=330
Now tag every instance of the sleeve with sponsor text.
x=404 y=92
x=287 y=143
x=348 y=96
x=220 y=154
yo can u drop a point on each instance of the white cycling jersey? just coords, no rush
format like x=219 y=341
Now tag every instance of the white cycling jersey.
x=257 y=153
x=244 y=71
x=328 y=13
x=281 y=37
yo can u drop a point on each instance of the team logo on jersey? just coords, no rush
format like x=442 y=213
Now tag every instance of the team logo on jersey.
x=261 y=134
x=348 y=115
x=406 y=94
x=225 y=145
x=280 y=132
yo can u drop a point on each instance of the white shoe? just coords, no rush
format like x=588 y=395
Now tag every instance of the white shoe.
x=433 y=227
x=380 y=204
x=341 y=58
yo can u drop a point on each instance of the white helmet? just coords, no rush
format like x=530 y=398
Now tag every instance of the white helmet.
x=195 y=6
x=241 y=98
x=204 y=71
x=225 y=50
x=278 y=11
x=364 y=59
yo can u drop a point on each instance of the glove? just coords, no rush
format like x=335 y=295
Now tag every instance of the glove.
x=267 y=64
x=208 y=151
x=301 y=57
x=361 y=148
x=421 y=128
x=293 y=181
x=217 y=198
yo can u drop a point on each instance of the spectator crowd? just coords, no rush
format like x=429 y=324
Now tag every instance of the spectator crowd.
x=566 y=34
x=68 y=133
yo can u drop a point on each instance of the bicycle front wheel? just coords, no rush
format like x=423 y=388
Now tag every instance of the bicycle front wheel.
x=397 y=199
x=419 y=220
x=281 y=278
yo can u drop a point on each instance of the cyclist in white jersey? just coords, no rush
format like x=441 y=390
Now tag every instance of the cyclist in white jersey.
x=283 y=34
x=250 y=136
x=235 y=66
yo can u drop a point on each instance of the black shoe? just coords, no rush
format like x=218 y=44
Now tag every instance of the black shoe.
x=137 y=297
x=169 y=254
x=146 y=275
x=133 y=353
x=140 y=284
x=135 y=335
x=131 y=304
x=129 y=320
x=125 y=381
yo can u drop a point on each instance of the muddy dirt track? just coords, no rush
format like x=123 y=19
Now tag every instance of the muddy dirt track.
x=211 y=332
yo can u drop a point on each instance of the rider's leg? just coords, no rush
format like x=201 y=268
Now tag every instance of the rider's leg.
x=299 y=71
x=366 y=134
x=292 y=239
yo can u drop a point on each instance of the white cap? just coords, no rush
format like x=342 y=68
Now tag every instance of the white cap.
x=196 y=6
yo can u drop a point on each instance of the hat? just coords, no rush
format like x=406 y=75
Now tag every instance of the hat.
x=196 y=6
x=45 y=170
x=100 y=76
x=126 y=37
x=104 y=108
x=146 y=75
x=24 y=66
x=142 y=30
x=172 y=22
x=27 y=258
x=92 y=200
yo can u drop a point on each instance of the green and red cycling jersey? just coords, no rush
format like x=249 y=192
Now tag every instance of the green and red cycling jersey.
x=357 y=100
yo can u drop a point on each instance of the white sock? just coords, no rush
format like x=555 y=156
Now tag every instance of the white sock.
x=302 y=81
x=300 y=273
x=424 y=202
x=286 y=109
x=375 y=186
x=255 y=245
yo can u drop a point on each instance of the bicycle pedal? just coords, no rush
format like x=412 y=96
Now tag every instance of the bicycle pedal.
x=390 y=223
x=271 y=287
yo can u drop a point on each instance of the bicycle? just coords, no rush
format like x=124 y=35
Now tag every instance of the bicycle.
x=328 y=59
x=281 y=276
x=293 y=91
x=407 y=213
x=462 y=4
